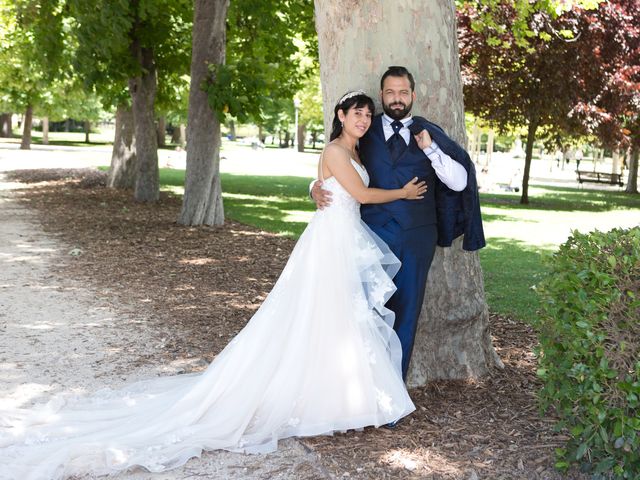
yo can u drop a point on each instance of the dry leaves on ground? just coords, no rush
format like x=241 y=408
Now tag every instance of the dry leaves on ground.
x=201 y=285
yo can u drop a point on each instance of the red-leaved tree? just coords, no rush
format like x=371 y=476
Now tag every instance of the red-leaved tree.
x=562 y=79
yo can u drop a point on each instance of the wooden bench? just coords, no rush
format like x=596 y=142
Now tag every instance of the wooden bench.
x=600 y=177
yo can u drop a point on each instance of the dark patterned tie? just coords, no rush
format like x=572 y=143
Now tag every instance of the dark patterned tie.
x=396 y=143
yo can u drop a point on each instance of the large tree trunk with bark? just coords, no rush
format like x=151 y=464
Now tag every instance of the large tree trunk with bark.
x=632 y=180
x=25 y=144
x=122 y=172
x=202 y=201
x=6 y=129
x=45 y=131
x=453 y=338
x=528 y=156
x=143 y=93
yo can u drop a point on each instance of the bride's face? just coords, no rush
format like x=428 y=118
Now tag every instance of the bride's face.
x=356 y=121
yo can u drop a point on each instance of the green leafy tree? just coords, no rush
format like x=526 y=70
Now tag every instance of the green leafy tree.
x=134 y=45
x=249 y=67
x=32 y=50
x=311 y=118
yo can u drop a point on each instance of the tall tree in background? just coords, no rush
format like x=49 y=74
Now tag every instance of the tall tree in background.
x=32 y=51
x=453 y=338
x=133 y=46
x=202 y=201
x=260 y=67
x=311 y=117
x=609 y=102
x=512 y=83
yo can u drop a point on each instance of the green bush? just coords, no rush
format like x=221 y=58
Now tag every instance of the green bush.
x=589 y=354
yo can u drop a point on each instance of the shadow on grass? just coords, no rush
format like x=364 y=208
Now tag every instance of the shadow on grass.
x=512 y=269
x=278 y=204
x=566 y=199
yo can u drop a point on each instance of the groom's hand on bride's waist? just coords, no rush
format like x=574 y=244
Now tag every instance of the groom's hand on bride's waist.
x=319 y=195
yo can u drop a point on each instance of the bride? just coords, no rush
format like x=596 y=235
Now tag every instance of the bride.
x=319 y=355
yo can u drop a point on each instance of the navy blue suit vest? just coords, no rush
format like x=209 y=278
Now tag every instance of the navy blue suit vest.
x=385 y=173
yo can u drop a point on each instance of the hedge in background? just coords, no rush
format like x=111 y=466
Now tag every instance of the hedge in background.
x=589 y=354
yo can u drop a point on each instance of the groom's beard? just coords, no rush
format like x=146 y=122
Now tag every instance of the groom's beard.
x=397 y=113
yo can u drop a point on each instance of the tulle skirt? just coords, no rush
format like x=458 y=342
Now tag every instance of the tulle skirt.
x=319 y=356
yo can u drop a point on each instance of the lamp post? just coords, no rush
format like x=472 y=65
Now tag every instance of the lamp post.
x=296 y=106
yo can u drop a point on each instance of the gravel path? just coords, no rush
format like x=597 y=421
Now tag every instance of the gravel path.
x=56 y=335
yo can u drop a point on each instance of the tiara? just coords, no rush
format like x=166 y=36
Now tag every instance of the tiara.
x=351 y=94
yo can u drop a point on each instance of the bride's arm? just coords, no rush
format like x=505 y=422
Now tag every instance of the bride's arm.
x=336 y=163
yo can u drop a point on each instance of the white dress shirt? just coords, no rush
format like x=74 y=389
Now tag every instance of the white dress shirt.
x=452 y=174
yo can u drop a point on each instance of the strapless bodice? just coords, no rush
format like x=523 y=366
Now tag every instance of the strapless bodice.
x=341 y=200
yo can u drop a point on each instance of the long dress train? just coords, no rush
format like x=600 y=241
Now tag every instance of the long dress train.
x=318 y=356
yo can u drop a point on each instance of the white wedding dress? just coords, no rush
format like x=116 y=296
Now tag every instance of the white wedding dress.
x=319 y=356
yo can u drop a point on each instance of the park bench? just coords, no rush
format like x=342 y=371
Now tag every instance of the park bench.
x=600 y=177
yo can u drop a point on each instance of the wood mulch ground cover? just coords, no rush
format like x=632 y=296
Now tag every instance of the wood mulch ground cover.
x=199 y=286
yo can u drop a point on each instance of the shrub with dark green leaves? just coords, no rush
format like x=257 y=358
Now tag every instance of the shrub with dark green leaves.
x=589 y=354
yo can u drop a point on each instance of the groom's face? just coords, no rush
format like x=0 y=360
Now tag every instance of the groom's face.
x=397 y=97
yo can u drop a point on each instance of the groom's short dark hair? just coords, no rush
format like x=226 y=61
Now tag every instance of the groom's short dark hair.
x=398 y=71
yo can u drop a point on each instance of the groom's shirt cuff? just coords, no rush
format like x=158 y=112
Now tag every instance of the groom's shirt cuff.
x=450 y=172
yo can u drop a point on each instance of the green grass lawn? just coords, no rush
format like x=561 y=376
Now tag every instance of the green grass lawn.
x=519 y=237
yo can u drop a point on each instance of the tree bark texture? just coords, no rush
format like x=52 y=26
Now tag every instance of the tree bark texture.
x=143 y=93
x=45 y=131
x=632 y=180
x=202 y=201
x=453 y=338
x=162 y=131
x=25 y=144
x=528 y=156
x=6 y=129
x=122 y=172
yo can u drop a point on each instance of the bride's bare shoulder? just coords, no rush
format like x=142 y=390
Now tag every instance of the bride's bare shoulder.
x=334 y=152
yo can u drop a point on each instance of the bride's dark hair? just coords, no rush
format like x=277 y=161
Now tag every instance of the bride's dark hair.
x=350 y=100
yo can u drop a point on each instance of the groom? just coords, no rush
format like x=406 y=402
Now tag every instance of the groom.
x=396 y=148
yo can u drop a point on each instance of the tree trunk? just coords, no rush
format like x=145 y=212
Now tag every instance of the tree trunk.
x=202 y=201
x=632 y=180
x=302 y=132
x=5 y=125
x=179 y=135
x=531 y=137
x=162 y=130
x=453 y=338
x=122 y=172
x=87 y=131
x=45 y=130
x=261 y=135
x=26 y=130
x=287 y=140
x=615 y=162
x=143 y=93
